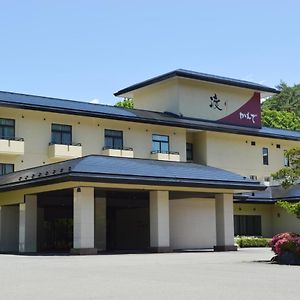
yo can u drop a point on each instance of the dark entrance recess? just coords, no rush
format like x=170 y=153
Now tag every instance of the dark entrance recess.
x=55 y=221
x=247 y=225
x=128 y=221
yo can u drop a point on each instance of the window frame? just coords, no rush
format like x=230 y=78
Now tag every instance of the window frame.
x=160 y=143
x=265 y=156
x=109 y=134
x=191 y=151
x=4 y=166
x=2 y=128
x=61 y=132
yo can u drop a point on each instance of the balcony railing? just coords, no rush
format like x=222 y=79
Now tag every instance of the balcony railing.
x=165 y=155
x=121 y=152
x=62 y=151
x=11 y=146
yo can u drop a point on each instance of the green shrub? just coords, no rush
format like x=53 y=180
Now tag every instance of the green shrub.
x=245 y=242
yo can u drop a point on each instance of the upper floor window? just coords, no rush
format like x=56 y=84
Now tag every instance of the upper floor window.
x=6 y=168
x=113 y=139
x=7 y=128
x=160 y=143
x=61 y=134
x=265 y=153
x=189 y=151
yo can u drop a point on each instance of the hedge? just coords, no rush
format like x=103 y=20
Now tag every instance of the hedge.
x=245 y=242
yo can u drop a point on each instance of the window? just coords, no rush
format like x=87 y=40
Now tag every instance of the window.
x=189 y=151
x=247 y=225
x=253 y=177
x=7 y=128
x=160 y=143
x=253 y=143
x=61 y=134
x=265 y=153
x=6 y=168
x=113 y=139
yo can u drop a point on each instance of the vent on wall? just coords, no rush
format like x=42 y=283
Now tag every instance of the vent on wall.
x=253 y=177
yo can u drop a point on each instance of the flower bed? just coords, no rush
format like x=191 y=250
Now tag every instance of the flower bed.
x=286 y=246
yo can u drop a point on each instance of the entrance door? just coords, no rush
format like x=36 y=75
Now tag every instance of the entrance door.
x=55 y=221
x=128 y=224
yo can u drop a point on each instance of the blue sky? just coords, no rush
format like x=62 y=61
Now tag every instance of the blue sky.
x=86 y=50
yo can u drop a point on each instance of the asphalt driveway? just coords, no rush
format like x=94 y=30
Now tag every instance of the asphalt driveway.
x=225 y=275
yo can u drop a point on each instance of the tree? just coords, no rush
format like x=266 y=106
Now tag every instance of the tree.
x=126 y=102
x=280 y=119
x=287 y=100
x=289 y=176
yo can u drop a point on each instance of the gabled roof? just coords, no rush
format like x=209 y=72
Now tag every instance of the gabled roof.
x=31 y=102
x=99 y=168
x=271 y=195
x=201 y=77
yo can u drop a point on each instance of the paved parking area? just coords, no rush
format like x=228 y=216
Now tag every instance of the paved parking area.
x=231 y=275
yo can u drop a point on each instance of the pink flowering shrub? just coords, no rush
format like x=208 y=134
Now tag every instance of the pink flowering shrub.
x=286 y=242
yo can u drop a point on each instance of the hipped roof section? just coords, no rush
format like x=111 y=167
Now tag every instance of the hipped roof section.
x=99 y=168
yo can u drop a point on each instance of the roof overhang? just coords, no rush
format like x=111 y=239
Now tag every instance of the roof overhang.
x=181 y=73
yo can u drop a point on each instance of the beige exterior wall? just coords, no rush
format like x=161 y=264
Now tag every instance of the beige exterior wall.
x=263 y=210
x=274 y=219
x=234 y=153
x=35 y=128
x=191 y=98
x=192 y=223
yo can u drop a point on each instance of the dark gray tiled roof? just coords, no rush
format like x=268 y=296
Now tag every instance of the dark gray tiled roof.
x=134 y=115
x=129 y=170
x=271 y=195
x=202 y=77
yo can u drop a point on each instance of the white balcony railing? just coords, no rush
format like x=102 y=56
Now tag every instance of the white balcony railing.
x=60 y=151
x=124 y=152
x=11 y=146
x=171 y=156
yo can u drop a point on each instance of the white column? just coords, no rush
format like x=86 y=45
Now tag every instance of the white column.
x=28 y=224
x=100 y=223
x=224 y=223
x=159 y=221
x=84 y=221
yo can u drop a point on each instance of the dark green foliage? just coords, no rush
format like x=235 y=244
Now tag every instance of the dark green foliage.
x=127 y=103
x=247 y=242
x=280 y=119
x=283 y=110
x=287 y=100
x=290 y=174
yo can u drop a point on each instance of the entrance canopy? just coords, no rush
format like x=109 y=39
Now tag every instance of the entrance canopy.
x=130 y=171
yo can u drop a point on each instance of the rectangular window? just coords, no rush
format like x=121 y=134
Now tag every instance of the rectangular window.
x=113 y=139
x=265 y=153
x=6 y=168
x=160 y=143
x=7 y=128
x=247 y=225
x=189 y=152
x=61 y=134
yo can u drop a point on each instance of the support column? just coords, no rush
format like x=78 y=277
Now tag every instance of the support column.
x=224 y=223
x=28 y=224
x=84 y=221
x=159 y=221
x=100 y=223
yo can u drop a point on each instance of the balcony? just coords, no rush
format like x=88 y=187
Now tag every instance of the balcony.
x=124 y=152
x=11 y=146
x=61 y=152
x=171 y=156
